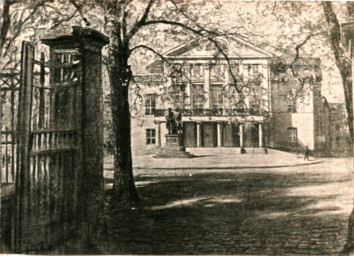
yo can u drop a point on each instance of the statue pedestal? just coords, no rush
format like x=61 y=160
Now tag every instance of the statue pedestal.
x=174 y=148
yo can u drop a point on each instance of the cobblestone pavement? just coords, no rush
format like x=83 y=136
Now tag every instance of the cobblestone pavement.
x=292 y=210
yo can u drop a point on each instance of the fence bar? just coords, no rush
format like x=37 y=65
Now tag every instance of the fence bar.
x=41 y=93
x=6 y=155
x=13 y=139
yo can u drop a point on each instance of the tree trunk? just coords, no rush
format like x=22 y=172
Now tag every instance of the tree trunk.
x=341 y=61
x=345 y=68
x=123 y=187
x=5 y=23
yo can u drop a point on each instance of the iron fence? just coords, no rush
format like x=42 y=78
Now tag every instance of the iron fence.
x=10 y=85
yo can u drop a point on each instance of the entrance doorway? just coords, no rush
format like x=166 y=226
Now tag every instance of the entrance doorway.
x=189 y=134
x=231 y=137
x=251 y=135
x=209 y=134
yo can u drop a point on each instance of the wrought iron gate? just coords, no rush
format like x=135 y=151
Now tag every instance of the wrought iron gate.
x=49 y=159
x=58 y=167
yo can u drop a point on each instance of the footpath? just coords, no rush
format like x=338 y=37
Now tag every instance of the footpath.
x=219 y=158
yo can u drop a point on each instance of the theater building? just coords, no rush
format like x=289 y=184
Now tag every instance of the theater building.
x=236 y=101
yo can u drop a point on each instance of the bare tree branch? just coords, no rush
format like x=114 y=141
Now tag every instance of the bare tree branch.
x=21 y=24
x=124 y=19
x=80 y=11
x=296 y=58
x=202 y=28
x=150 y=49
x=6 y=22
x=141 y=22
x=202 y=33
x=68 y=18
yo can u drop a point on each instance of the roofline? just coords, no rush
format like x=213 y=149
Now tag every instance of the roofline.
x=242 y=41
x=179 y=47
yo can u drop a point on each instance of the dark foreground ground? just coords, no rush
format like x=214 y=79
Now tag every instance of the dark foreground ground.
x=289 y=210
x=293 y=210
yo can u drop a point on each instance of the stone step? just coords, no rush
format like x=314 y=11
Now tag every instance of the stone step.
x=223 y=150
x=174 y=154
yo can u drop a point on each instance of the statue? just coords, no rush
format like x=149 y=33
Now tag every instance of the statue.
x=178 y=118
x=170 y=122
x=174 y=122
x=174 y=147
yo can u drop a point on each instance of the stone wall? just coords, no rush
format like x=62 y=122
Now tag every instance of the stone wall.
x=339 y=132
x=322 y=125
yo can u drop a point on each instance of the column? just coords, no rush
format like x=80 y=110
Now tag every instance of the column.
x=241 y=134
x=207 y=85
x=219 y=131
x=199 y=139
x=158 y=133
x=260 y=135
x=266 y=92
x=188 y=95
x=227 y=104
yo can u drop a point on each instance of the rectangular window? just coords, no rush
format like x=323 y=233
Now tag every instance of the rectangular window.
x=233 y=97
x=177 y=96
x=253 y=70
x=197 y=96
x=150 y=104
x=292 y=134
x=217 y=73
x=292 y=107
x=216 y=96
x=236 y=72
x=197 y=72
x=150 y=136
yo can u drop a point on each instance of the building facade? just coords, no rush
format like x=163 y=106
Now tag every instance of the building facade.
x=237 y=98
x=300 y=114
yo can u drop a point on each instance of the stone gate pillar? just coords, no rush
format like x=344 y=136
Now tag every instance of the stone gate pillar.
x=88 y=115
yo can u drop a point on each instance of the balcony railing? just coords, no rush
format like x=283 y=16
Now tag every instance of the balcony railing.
x=152 y=79
x=213 y=112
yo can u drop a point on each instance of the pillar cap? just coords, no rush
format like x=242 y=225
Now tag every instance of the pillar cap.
x=74 y=33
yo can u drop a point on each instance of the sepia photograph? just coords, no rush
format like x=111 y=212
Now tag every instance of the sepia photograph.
x=176 y=127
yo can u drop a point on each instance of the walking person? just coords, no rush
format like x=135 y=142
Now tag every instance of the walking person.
x=307 y=153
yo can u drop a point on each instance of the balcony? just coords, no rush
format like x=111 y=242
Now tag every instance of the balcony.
x=214 y=112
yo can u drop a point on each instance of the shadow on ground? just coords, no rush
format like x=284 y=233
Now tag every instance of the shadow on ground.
x=230 y=213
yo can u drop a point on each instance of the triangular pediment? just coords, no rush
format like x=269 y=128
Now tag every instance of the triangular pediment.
x=234 y=48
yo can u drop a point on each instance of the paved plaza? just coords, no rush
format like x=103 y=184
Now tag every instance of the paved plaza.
x=251 y=204
x=218 y=158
